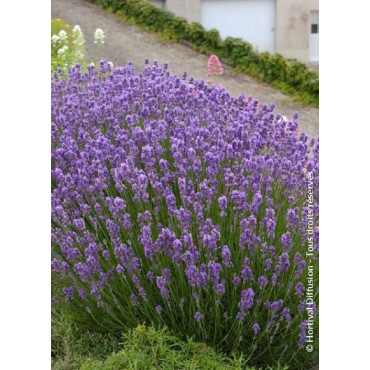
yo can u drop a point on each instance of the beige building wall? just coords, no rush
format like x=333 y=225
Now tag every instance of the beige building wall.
x=188 y=9
x=293 y=23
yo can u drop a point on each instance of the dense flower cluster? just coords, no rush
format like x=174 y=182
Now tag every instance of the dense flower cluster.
x=174 y=202
x=214 y=66
x=99 y=36
x=78 y=41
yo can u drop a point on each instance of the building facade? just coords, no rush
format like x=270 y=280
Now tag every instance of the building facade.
x=289 y=27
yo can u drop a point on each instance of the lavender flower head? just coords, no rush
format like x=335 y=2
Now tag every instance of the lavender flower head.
x=256 y=328
x=158 y=309
x=198 y=316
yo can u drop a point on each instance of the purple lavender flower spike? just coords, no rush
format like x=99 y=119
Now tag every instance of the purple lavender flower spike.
x=198 y=316
x=256 y=328
x=158 y=309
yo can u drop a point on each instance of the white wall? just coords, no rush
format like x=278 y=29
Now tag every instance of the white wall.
x=252 y=20
x=189 y=9
x=159 y=3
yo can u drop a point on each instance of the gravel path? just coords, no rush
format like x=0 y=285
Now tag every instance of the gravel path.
x=128 y=42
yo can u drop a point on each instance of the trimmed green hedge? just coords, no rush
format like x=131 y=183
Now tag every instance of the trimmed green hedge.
x=290 y=77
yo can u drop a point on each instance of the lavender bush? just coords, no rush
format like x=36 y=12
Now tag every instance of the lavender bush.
x=174 y=203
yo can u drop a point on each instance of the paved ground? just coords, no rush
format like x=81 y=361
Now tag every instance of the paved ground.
x=127 y=42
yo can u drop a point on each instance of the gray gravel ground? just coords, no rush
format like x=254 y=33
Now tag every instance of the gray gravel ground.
x=128 y=42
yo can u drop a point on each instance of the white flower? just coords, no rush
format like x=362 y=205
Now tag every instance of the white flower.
x=99 y=36
x=62 y=50
x=111 y=64
x=78 y=40
x=54 y=39
x=77 y=29
x=63 y=35
x=283 y=119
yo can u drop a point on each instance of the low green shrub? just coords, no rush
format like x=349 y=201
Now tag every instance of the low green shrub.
x=239 y=52
x=293 y=78
x=72 y=344
x=195 y=34
x=147 y=348
x=74 y=347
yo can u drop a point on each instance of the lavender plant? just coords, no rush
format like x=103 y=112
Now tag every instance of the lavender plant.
x=175 y=204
